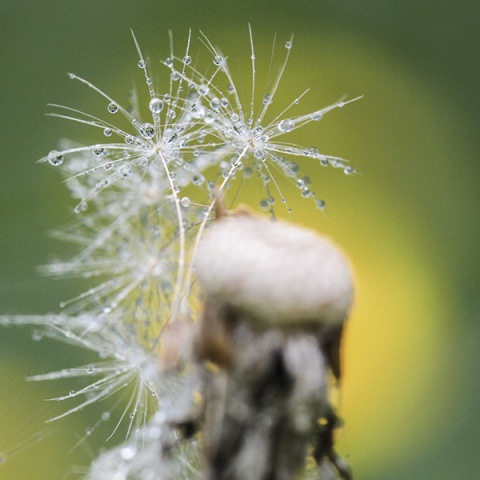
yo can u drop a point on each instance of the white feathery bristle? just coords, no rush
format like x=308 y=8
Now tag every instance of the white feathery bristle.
x=278 y=273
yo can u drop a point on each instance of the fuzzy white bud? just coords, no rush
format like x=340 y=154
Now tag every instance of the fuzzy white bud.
x=278 y=273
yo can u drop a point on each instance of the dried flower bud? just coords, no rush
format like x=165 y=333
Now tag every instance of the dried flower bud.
x=277 y=273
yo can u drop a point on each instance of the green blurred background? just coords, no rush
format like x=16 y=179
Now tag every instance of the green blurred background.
x=410 y=221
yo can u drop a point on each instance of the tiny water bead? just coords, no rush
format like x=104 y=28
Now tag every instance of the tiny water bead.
x=55 y=158
x=112 y=107
x=215 y=104
x=156 y=105
x=288 y=44
x=218 y=60
x=185 y=202
x=108 y=132
x=142 y=63
x=98 y=151
x=286 y=125
x=147 y=130
x=187 y=59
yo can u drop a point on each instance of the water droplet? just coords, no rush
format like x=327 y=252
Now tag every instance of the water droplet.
x=128 y=453
x=300 y=183
x=169 y=61
x=230 y=89
x=286 y=125
x=55 y=158
x=126 y=172
x=112 y=107
x=72 y=76
x=320 y=204
x=288 y=44
x=349 y=170
x=147 y=130
x=267 y=99
x=185 y=202
x=98 y=151
x=148 y=81
x=203 y=90
x=72 y=393
x=156 y=105
x=108 y=132
x=142 y=63
x=264 y=204
x=198 y=180
x=107 y=166
x=37 y=335
x=90 y=370
x=218 y=60
x=306 y=192
x=175 y=76
x=129 y=139
x=187 y=59
x=215 y=104
x=225 y=102
x=105 y=416
x=316 y=117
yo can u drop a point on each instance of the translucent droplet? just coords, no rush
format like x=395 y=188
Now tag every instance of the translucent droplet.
x=288 y=44
x=187 y=59
x=126 y=172
x=185 y=202
x=300 y=183
x=267 y=99
x=320 y=204
x=72 y=76
x=142 y=63
x=264 y=204
x=55 y=158
x=37 y=335
x=286 y=125
x=112 y=107
x=230 y=89
x=106 y=416
x=128 y=453
x=215 y=104
x=148 y=81
x=90 y=369
x=147 y=130
x=108 y=132
x=203 y=90
x=108 y=166
x=175 y=76
x=349 y=170
x=98 y=151
x=218 y=60
x=169 y=61
x=324 y=162
x=72 y=393
x=198 y=180
x=225 y=102
x=156 y=105
x=129 y=139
